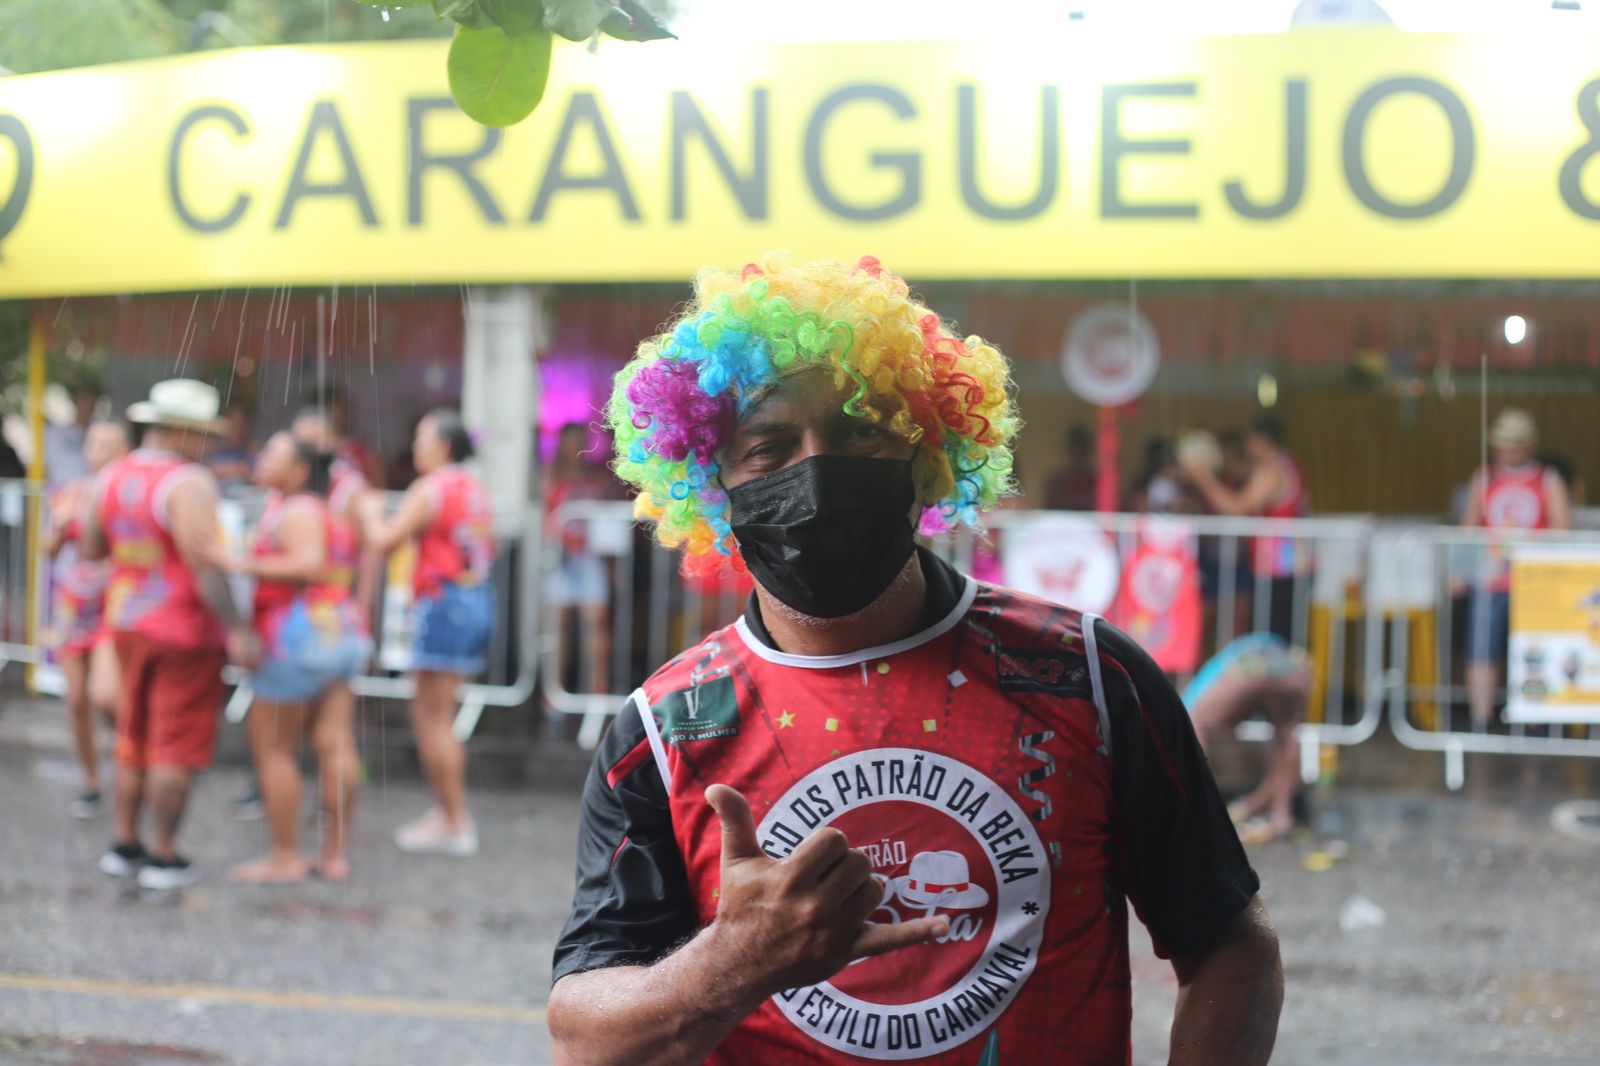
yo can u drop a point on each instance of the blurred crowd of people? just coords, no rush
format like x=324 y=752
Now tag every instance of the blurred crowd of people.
x=145 y=611
x=146 y=614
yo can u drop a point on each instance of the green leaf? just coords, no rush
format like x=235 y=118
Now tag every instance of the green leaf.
x=516 y=17
x=463 y=13
x=496 y=78
x=576 y=20
x=395 y=3
x=633 y=21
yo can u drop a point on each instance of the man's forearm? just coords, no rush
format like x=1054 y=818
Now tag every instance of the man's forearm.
x=674 y=1011
x=1228 y=1005
x=214 y=589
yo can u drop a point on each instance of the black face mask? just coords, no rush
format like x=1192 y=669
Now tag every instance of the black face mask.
x=827 y=535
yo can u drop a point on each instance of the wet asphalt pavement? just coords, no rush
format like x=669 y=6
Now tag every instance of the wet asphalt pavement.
x=1488 y=949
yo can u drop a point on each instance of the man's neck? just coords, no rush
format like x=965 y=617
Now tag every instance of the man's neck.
x=896 y=614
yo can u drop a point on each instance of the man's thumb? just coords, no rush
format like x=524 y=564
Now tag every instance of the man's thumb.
x=738 y=826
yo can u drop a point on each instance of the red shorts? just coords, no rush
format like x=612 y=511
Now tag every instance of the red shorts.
x=171 y=699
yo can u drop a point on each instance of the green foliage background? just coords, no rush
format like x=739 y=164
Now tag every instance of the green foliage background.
x=40 y=35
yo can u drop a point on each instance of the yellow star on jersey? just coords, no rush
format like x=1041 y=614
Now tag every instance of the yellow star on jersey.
x=785 y=720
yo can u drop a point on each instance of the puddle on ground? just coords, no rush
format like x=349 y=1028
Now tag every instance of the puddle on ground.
x=38 y=1049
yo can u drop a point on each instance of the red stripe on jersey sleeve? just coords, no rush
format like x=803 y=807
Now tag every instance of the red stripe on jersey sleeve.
x=628 y=763
x=1156 y=742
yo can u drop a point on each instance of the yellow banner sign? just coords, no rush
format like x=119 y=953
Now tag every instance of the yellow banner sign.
x=1309 y=154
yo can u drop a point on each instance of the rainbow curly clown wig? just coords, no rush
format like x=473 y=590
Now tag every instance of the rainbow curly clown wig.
x=674 y=406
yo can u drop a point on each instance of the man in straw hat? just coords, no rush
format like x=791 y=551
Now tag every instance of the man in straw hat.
x=1515 y=493
x=172 y=615
x=891 y=813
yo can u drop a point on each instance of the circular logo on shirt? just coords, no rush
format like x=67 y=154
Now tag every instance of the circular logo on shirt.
x=945 y=840
x=1512 y=507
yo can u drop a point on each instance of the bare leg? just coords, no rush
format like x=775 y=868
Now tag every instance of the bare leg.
x=275 y=739
x=597 y=646
x=433 y=712
x=1482 y=680
x=130 y=798
x=1282 y=778
x=339 y=764
x=76 y=673
x=105 y=681
x=567 y=648
x=169 y=795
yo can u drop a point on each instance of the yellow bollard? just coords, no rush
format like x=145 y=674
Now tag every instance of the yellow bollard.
x=1423 y=673
x=1319 y=636
x=35 y=513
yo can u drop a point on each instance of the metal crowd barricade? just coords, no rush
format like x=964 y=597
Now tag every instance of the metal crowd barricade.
x=652 y=613
x=22 y=522
x=1429 y=574
x=1317 y=603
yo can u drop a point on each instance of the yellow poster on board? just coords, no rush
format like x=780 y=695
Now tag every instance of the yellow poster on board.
x=1348 y=153
x=395 y=621
x=1553 y=672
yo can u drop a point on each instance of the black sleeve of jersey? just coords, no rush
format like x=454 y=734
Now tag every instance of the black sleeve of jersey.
x=1183 y=866
x=633 y=903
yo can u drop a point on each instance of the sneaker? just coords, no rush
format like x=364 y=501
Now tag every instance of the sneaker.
x=248 y=807
x=123 y=860
x=88 y=805
x=167 y=874
x=431 y=835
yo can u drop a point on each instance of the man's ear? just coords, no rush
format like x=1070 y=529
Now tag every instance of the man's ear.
x=929 y=476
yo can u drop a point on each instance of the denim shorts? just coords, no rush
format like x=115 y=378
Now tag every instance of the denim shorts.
x=1488 y=625
x=450 y=629
x=311 y=648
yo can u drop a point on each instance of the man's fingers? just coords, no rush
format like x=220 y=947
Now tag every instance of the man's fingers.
x=738 y=826
x=845 y=876
x=881 y=939
x=863 y=901
x=818 y=852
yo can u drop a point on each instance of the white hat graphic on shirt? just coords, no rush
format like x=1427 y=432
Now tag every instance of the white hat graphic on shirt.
x=939 y=879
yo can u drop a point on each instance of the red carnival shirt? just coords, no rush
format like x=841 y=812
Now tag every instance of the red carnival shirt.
x=1005 y=767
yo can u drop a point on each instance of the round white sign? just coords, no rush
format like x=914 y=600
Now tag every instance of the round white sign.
x=1110 y=354
x=1064 y=559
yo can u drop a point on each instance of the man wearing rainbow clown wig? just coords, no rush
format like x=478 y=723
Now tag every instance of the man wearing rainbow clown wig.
x=891 y=813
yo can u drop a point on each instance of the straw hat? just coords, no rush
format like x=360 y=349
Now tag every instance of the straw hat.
x=179 y=403
x=1514 y=429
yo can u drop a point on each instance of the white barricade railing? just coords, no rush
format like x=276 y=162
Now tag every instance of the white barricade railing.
x=1437 y=571
x=606 y=583
x=586 y=596
x=643 y=612
x=508 y=680
x=1304 y=578
x=22 y=522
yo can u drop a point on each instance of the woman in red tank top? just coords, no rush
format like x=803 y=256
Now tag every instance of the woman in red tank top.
x=446 y=510
x=312 y=643
x=87 y=659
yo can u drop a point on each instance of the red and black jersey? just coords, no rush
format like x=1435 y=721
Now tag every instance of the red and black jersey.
x=1008 y=767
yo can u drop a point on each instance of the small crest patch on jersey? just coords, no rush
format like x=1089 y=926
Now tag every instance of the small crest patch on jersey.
x=1040 y=670
x=702 y=712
